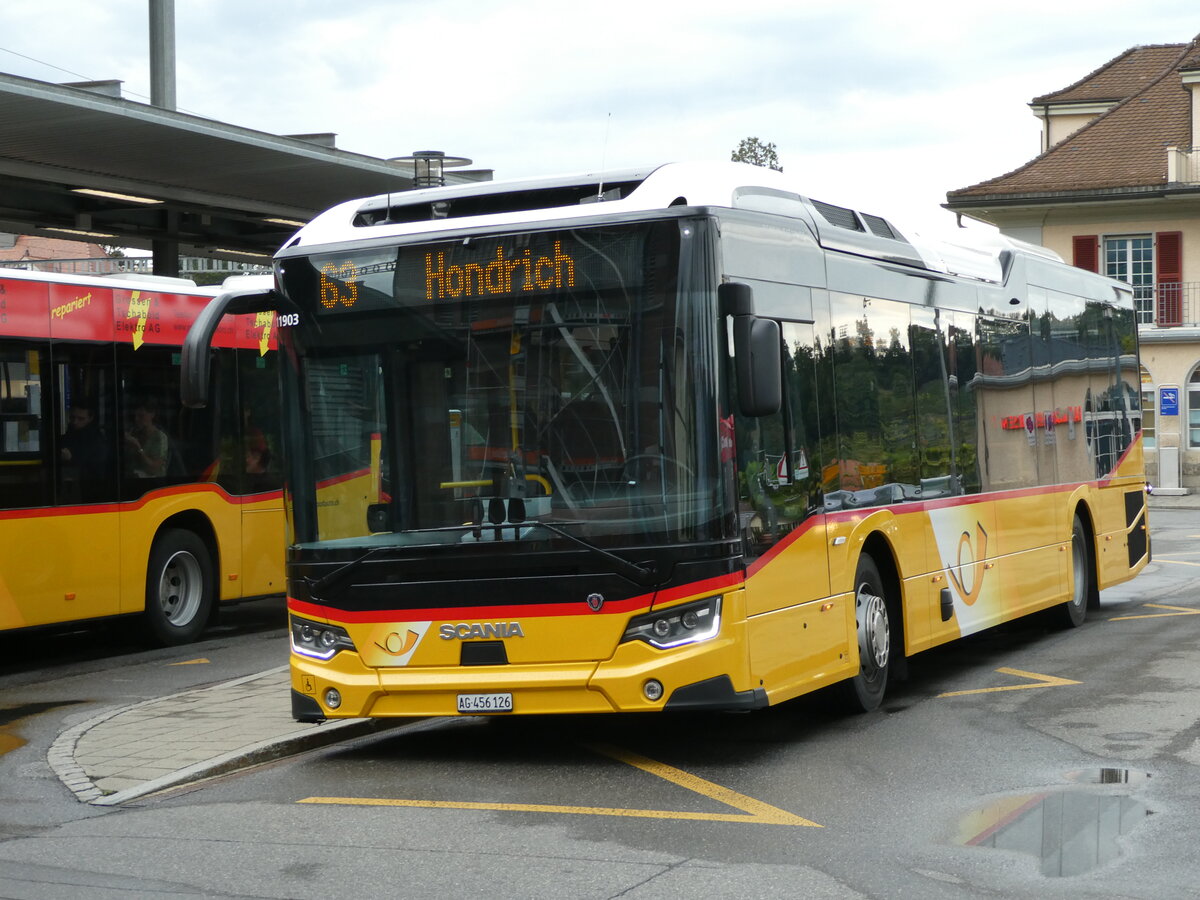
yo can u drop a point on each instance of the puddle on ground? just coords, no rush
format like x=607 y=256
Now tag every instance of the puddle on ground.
x=1108 y=776
x=1072 y=830
x=12 y=715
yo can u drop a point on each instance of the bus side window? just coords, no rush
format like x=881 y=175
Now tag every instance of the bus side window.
x=24 y=435
x=150 y=441
x=86 y=445
x=877 y=460
x=259 y=414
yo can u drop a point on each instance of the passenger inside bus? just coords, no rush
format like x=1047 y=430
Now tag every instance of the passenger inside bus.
x=259 y=477
x=84 y=453
x=146 y=445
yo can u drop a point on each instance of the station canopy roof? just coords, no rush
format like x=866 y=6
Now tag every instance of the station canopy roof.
x=213 y=189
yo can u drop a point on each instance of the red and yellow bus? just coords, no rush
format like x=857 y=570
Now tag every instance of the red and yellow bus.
x=681 y=438
x=115 y=500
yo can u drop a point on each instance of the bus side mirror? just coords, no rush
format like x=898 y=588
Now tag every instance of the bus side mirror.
x=756 y=351
x=193 y=376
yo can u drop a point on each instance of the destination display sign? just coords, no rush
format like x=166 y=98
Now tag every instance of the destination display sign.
x=527 y=265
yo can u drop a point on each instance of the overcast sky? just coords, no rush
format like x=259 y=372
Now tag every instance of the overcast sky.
x=880 y=105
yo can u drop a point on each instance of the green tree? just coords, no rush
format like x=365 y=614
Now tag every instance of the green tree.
x=757 y=153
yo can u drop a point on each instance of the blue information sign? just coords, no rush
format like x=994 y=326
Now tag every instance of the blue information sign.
x=1168 y=401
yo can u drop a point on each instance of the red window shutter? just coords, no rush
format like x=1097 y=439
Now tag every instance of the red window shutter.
x=1086 y=250
x=1168 y=275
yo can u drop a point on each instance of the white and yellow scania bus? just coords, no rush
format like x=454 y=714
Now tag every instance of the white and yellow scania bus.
x=680 y=438
x=114 y=499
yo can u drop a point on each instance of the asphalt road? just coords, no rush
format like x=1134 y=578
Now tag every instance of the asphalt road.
x=1024 y=762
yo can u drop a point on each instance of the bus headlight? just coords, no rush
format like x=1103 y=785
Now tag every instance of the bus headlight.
x=686 y=624
x=317 y=640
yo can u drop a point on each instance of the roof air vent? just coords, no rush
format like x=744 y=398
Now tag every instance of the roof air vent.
x=838 y=215
x=880 y=227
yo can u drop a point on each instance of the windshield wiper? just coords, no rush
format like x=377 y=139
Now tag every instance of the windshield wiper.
x=645 y=576
x=641 y=575
x=510 y=513
x=317 y=585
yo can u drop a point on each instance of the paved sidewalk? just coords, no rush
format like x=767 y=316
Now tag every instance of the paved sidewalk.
x=129 y=752
x=1182 y=501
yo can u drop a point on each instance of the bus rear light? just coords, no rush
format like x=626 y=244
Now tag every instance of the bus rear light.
x=687 y=624
x=318 y=641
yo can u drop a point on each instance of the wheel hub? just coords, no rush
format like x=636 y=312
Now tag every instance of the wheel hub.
x=873 y=635
x=180 y=588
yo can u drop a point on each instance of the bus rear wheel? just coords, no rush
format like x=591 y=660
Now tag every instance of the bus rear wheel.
x=1073 y=613
x=864 y=692
x=179 y=588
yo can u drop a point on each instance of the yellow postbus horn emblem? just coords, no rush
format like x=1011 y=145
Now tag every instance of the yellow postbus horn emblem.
x=977 y=567
x=396 y=645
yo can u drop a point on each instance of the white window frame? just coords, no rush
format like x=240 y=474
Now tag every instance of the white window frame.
x=1129 y=264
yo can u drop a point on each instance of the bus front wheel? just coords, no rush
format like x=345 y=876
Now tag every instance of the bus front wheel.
x=1073 y=612
x=864 y=692
x=179 y=588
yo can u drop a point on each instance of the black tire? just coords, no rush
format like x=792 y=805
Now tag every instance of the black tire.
x=180 y=589
x=1073 y=612
x=872 y=613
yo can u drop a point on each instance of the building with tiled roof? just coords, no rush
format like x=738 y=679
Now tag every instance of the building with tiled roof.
x=25 y=248
x=1116 y=189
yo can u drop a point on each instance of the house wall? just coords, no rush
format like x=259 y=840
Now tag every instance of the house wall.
x=1191 y=81
x=1171 y=365
x=1062 y=126
x=1061 y=227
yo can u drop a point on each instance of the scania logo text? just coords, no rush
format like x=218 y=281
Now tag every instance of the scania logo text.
x=470 y=631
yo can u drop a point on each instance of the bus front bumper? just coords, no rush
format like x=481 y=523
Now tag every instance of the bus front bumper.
x=712 y=675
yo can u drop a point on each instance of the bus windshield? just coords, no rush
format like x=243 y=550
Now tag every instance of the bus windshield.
x=465 y=391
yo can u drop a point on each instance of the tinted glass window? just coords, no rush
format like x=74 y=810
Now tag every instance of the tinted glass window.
x=25 y=438
x=878 y=460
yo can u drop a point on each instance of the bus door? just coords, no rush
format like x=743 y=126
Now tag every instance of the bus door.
x=258 y=462
x=85 y=465
x=794 y=632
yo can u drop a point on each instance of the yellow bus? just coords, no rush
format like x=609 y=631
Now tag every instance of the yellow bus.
x=114 y=499
x=678 y=439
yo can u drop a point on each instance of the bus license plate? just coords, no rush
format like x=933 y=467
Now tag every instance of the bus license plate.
x=484 y=703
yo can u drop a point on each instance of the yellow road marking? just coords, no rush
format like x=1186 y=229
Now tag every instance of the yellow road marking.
x=1177 y=562
x=1041 y=681
x=190 y=662
x=754 y=812
x=1177 y=611
x=763 y=813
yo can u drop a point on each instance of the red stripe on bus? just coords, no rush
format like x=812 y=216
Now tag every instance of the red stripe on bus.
x=642 y=601
x=342 y=479
x=42 y=512
x=510 y=611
